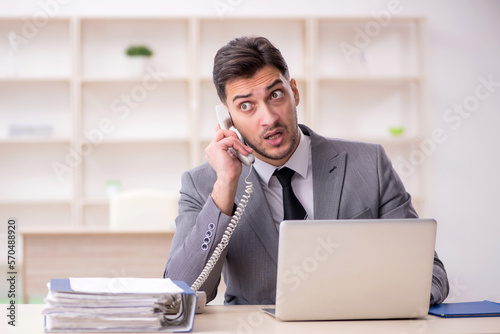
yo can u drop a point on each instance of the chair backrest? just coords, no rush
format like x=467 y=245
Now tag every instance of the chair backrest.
x=143 y=209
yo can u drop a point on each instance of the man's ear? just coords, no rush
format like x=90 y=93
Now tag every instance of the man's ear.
x=295 y=90
x=230 y=116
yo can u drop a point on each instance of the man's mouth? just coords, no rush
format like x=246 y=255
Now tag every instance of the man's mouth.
x=275 y=137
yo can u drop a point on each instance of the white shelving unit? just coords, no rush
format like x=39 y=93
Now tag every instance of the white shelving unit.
x=103 y=124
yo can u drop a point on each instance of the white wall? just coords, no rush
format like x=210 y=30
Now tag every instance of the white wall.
x=464 y=168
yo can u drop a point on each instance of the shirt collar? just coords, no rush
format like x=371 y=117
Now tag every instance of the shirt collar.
x=299 y=161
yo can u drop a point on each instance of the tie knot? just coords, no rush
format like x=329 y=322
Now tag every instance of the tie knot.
x=284 y=175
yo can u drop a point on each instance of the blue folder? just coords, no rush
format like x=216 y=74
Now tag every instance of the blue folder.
x=485 y=308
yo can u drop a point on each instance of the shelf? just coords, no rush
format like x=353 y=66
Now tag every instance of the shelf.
x=29 y=105
x=151 y=78
x=387 y=140
x=72 y=82
x=141 y=141
x=31 y=79
x=156 y=166
x=109 y=38
x=122 y=110
x=370 y=79
x=365 y=110
x=365 y=47
x=28 y=172
x=35 y=141
x=51 y=45
x=95 y=201
x=34 y=202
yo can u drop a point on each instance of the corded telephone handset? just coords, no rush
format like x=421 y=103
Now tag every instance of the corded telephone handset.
x=226 y=124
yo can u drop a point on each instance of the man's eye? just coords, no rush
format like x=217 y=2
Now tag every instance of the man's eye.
x=245 y=106
x=276 y=94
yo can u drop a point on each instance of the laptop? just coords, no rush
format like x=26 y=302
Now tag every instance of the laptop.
x=354 y=269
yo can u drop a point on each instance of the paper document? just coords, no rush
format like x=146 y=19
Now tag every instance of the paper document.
x=123 y=285
x=118 y=305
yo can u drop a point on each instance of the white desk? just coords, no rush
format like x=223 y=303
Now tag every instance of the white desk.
x=249 y=319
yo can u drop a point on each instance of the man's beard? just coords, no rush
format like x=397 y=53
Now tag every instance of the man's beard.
x=261 y=151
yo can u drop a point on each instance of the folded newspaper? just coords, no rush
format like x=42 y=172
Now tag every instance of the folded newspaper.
x=119 y=305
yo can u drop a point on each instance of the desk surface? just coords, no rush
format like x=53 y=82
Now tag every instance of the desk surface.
x=250 y=319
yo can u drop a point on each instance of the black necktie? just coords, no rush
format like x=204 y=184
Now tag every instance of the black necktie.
x=291 y=205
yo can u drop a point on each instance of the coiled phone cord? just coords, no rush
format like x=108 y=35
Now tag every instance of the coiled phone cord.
x=227 y=235
x=217 y=253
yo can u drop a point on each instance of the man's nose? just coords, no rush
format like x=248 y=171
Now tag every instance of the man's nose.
x=267 y=115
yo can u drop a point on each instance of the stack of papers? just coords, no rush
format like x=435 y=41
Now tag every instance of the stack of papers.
x=119 y=305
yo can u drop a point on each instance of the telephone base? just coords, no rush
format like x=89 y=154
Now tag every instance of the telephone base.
x=202 y=301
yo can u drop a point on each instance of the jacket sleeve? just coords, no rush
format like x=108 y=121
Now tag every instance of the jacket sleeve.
x=199 y=228
x=440 y=286
x=395 y=202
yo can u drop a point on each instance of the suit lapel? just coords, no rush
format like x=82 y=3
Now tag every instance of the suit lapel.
x=328 y=180
x=328 y=176
x=258 y=215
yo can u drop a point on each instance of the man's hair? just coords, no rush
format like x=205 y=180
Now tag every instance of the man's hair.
x=241 y=58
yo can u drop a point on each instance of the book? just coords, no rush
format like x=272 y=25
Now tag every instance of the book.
x=119 y=305
x=484 y=308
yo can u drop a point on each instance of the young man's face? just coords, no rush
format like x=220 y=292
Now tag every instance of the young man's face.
x=263 y=109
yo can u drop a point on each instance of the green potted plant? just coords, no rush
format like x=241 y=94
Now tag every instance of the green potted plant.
x=138 y=56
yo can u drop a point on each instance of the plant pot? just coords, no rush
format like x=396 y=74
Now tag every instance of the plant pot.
x=137 y=65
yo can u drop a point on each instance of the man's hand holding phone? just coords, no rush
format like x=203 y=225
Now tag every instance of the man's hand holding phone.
x=227 y=164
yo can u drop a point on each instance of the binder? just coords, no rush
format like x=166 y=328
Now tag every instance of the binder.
x=484 y=308
x=111 y=310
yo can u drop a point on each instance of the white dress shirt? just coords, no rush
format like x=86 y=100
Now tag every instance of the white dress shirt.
x=302 y=181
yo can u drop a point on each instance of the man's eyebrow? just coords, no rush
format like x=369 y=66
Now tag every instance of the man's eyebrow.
x=241 y=96
x=277 y=81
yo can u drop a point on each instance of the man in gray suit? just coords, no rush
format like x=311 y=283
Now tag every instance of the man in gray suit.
x=334 y=179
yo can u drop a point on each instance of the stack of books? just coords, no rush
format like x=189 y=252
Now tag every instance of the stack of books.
x=118 y=305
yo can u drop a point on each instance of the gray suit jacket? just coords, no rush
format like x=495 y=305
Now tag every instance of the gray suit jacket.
x=350 y=180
